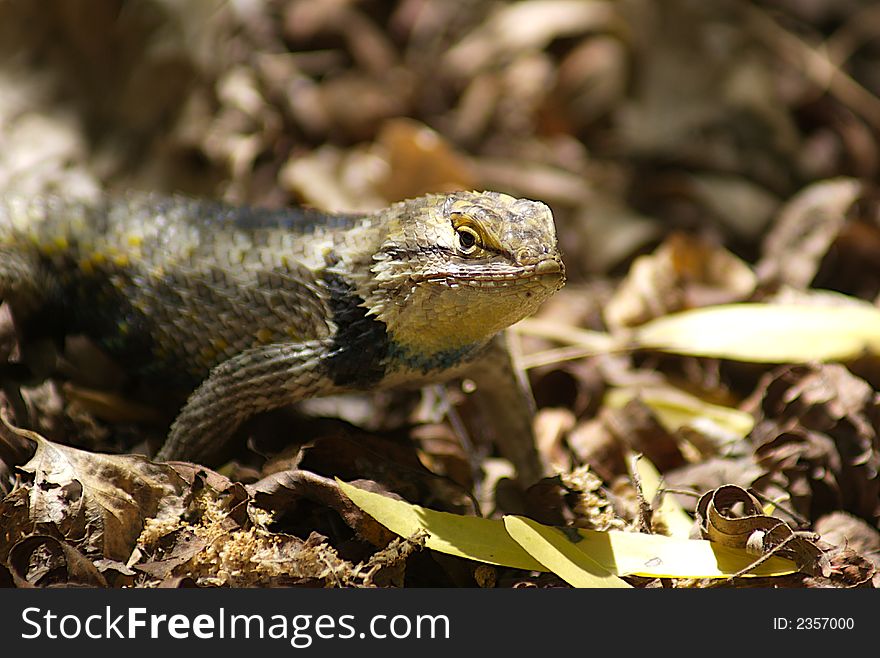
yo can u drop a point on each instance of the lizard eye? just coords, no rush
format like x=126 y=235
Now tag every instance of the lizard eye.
x=468 y=240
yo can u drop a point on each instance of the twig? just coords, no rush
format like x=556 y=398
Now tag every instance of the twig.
x=818 y=66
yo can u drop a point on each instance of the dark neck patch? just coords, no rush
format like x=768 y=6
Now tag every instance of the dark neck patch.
x=360 y=346
x=432 y=361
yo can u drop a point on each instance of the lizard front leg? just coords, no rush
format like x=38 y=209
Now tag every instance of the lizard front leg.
x=258 y=379
x=505 y=400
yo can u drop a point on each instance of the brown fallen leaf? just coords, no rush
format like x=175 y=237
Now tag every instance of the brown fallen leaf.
x=344 y=452
x=41 y=561
x=280 y=491
x=185 y=545
x=817 y=440
x=684 y=272
x=522 y=27
x=842 y=529
x=551 y=425
x=594 y=444
x=636 y=426
x=97 y=502
x=420 y=161
x=847 y=569
x=805 y=229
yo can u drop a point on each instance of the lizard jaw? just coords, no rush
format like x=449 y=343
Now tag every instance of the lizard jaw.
x=458 y=309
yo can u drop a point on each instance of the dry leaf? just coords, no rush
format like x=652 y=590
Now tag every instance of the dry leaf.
x=619 y=553
x=676 y=409
x=684 y=272
x=754 y=530
x=767 y=333
x=845 y=530
x=420 y=161
x=525 y=26
x=635 y=426
x=817 y=439
x=560 y=555
x=98 y=502
x=806 y=228
x=42 y=561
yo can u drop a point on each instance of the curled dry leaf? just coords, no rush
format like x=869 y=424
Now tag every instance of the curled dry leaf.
x=753 y=530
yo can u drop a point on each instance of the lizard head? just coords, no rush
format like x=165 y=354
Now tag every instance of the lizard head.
x=456 y=269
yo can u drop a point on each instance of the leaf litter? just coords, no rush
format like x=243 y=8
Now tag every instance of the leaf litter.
x=712 y=170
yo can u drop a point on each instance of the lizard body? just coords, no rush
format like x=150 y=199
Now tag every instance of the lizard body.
x=252 y=309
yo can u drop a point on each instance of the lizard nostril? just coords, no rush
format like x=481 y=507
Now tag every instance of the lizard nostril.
x=548 y=266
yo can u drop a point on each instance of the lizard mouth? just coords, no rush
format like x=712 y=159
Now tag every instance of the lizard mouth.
x=545 y=272
x=550 y=271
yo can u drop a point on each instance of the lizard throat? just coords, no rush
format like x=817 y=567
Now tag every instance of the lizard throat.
x=451 y=314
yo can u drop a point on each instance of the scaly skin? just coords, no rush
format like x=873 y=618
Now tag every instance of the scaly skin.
x=254 y=309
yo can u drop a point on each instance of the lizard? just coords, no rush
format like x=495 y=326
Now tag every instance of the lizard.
x=249 y=309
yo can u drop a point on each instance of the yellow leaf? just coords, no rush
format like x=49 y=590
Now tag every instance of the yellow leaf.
x=677 y=521
x=471 y=537
x=766 y=333
x=619 y=553
x=556 y=552
x=657 y=556
x=675 y=409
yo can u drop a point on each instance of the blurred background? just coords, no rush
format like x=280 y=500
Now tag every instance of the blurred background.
x=631 y=118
